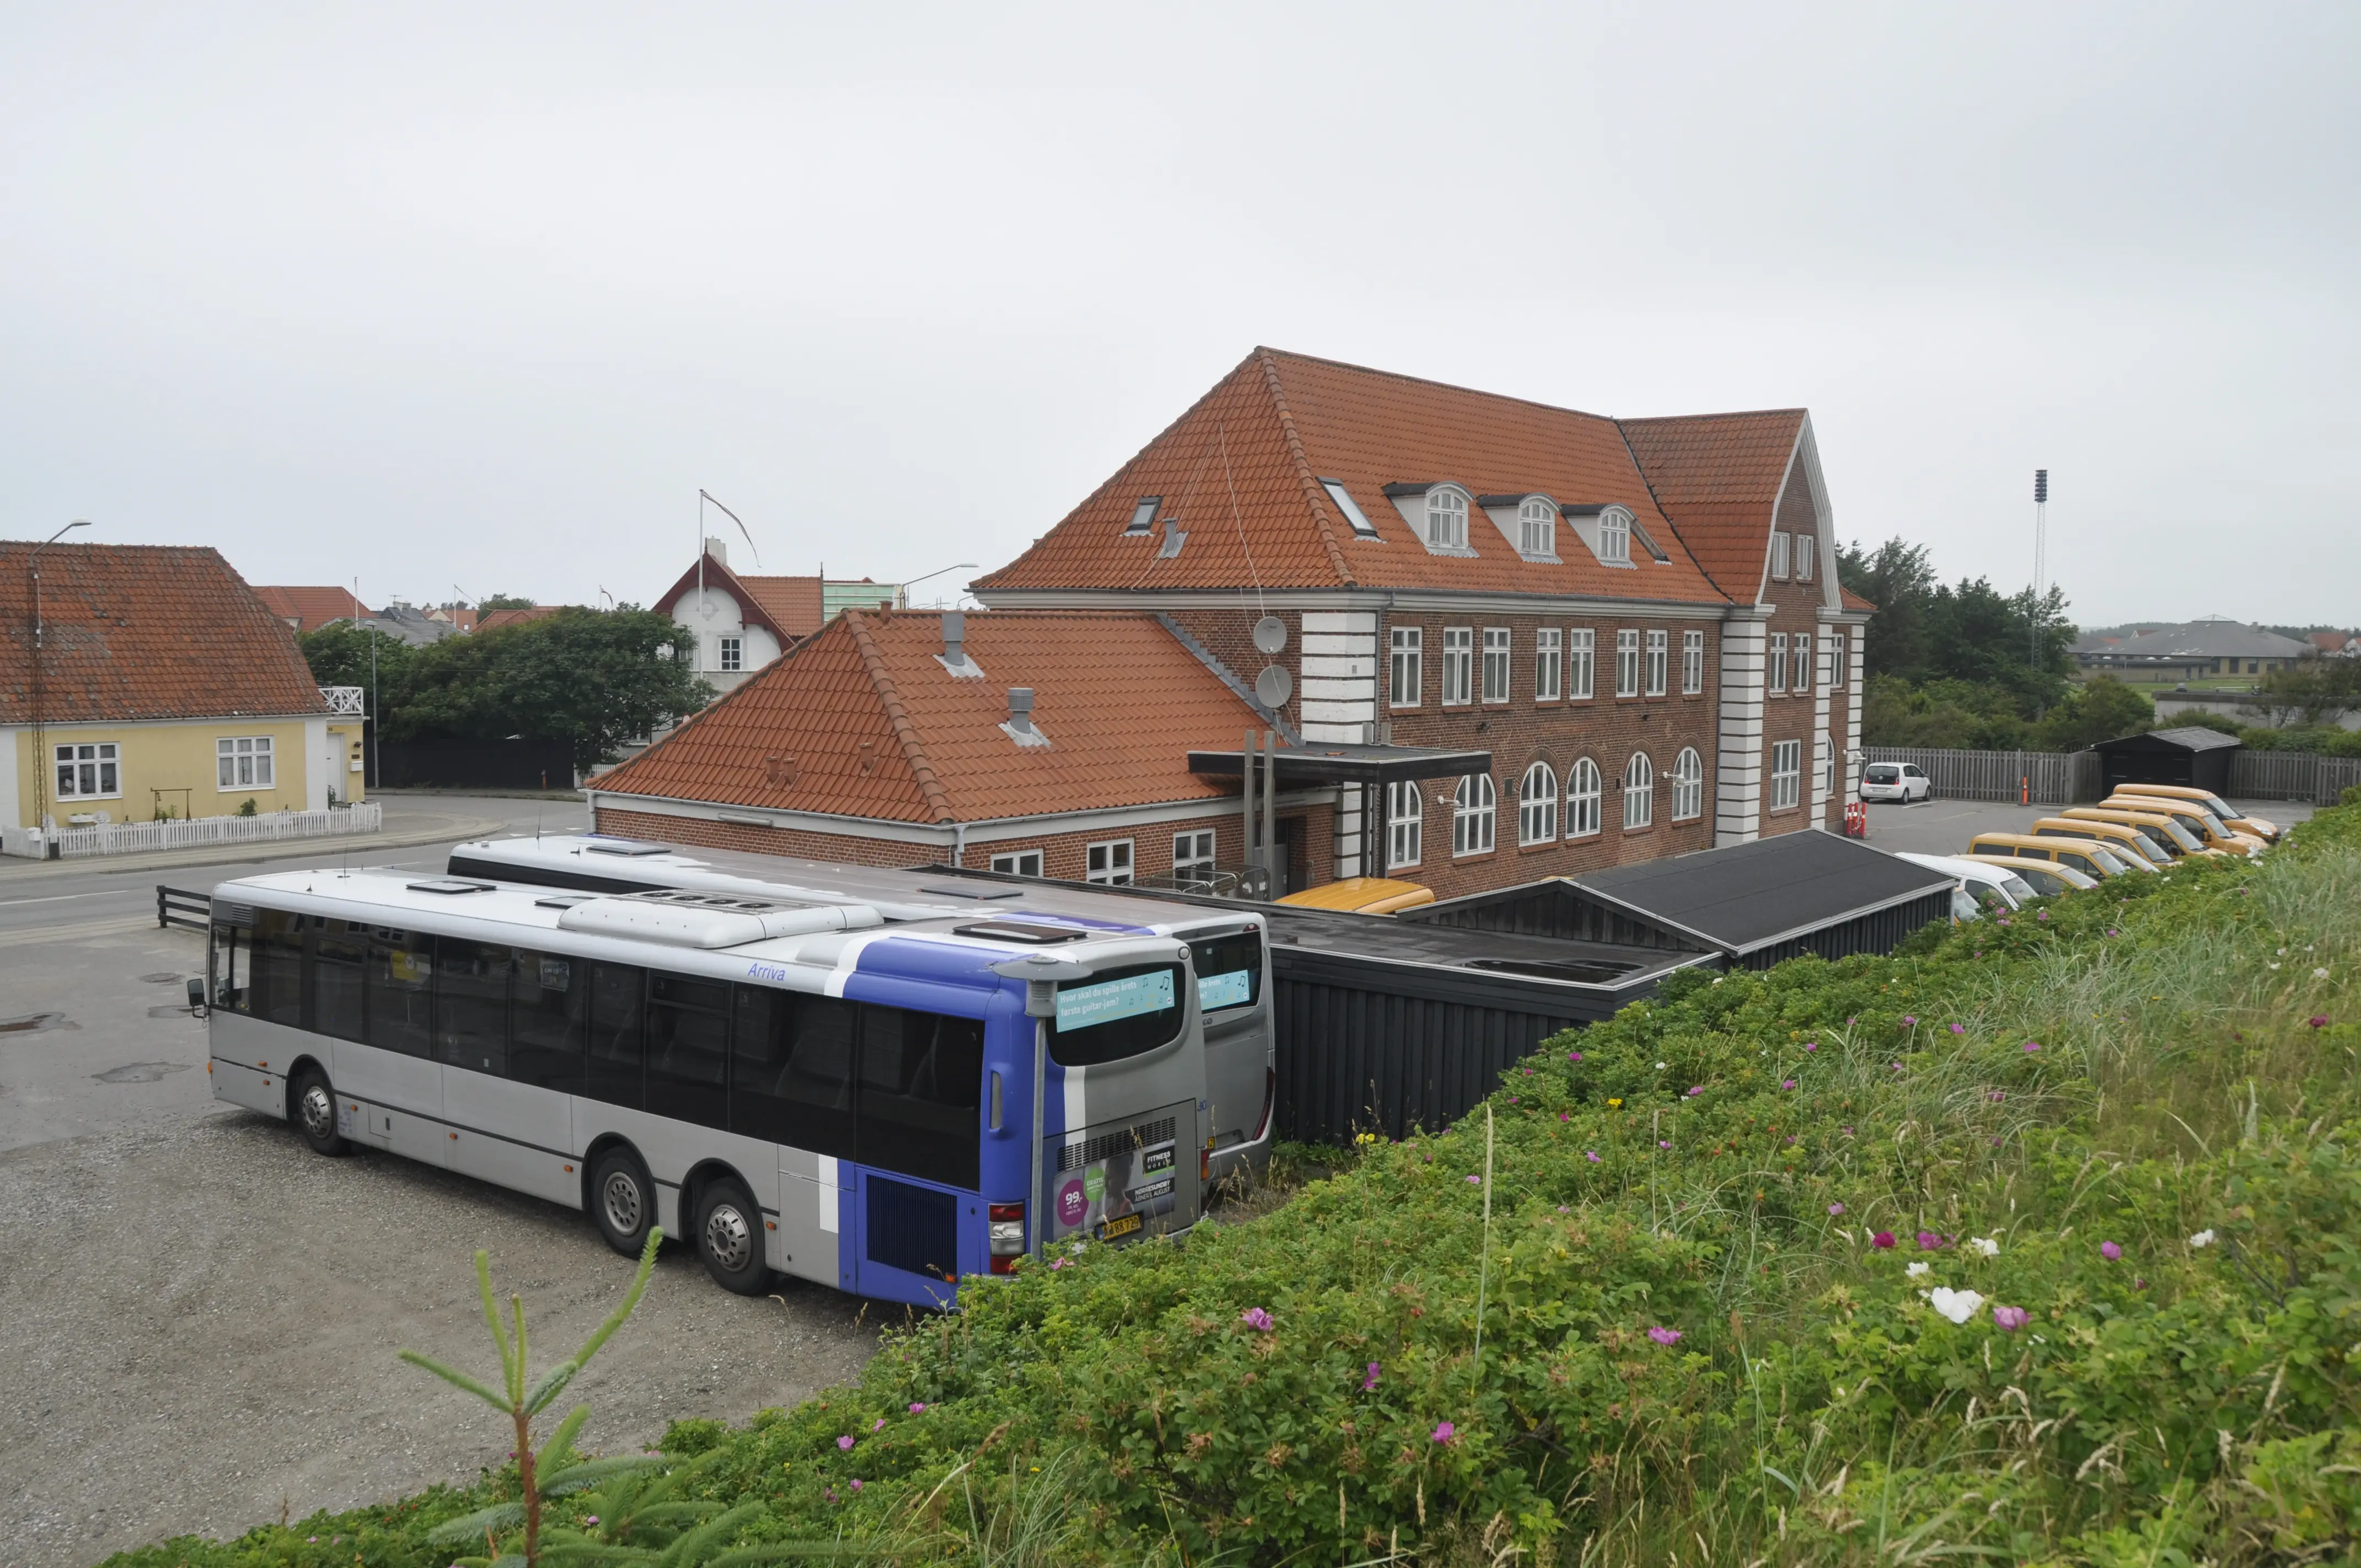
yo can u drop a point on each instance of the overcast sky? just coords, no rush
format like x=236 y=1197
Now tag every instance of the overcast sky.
x=479 y=297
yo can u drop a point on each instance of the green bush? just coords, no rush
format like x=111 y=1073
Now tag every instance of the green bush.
x=1725 y=1291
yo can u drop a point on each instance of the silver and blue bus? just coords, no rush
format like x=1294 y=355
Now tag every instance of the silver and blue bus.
x=815 y=1087
x=1229 y=947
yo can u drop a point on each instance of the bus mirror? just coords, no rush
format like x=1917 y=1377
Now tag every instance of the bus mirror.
x=197 y=998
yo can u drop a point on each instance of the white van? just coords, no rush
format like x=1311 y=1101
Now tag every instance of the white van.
x=1982 y=882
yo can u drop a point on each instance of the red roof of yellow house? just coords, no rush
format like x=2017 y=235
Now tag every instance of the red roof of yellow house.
x=1243 y=474
x=310 y=609
x=1719 y=479
x=134 y=631
x=865 y=720
x=493 y=619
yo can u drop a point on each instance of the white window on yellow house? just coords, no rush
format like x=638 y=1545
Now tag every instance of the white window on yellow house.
x=243 y=762
x=89 y=771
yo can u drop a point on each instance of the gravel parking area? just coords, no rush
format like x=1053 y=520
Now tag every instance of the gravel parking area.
x=1941 y=827
x=199 y=1317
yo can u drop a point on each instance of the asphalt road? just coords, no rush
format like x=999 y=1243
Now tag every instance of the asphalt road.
x=199 y=1317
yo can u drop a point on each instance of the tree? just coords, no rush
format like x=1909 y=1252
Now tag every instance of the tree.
x=1900 y=581
x=590 y=678
x=2102 y=709
x=503 y=601
x=339 y=656
x=2315 y=692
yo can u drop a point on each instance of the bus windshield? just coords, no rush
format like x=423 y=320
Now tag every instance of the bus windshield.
x=1229 y=969
x=1115 y=1013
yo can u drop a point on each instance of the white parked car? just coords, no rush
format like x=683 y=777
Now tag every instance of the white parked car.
x=1896 y=780
x=1987 y=884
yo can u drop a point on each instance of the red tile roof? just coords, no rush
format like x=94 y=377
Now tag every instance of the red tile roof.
x=135 y=631
x=863 y=720
x=312 y=608
x=1719 y=477
x=493 y=619
x=1241 y=470
x=1854 y=601
x=790 y=607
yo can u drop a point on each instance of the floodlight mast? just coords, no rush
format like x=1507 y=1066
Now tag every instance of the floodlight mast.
x=2040 y=559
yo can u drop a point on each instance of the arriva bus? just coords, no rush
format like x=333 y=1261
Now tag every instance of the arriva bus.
x=813 y=1087
x=1227 y=947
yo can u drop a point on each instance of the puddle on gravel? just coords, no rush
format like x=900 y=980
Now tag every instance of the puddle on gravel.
x=163 y=977
x=140 y=1071
x=35 y=1023
x=169 y=1011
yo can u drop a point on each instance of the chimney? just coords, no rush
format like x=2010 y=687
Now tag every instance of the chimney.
x=954 y=637
x=1020 y=710
x=718 y=549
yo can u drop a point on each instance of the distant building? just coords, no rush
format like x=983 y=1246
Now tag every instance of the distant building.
x=494 y=619
x=160 y=683
x=2198 y=650
x=2337 y=644
x=741 y=621
x=308 y=609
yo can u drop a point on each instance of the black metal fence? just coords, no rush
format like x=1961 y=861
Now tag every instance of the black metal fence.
x=475 y=764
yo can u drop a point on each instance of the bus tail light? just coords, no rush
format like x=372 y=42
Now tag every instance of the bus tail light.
x=1270 y=1099
x=1007 y=1233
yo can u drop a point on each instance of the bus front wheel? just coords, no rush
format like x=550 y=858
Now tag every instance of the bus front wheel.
x=623 y=1201
x=314 y=1107
x=730 y=1238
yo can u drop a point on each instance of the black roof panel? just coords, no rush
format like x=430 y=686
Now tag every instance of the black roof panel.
x=1744 y=895
x=2192 y=737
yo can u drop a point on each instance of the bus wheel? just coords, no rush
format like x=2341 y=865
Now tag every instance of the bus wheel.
x=623 y=1201
x=730 y=1238
x=314 y=1104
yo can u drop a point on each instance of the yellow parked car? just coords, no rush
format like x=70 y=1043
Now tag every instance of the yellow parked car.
x=2090 y=857
x=2127 y=842
x=2259 y=827
x=2201 y=823
x=1362 y=895
x=2162 y=829
x=2048 y=878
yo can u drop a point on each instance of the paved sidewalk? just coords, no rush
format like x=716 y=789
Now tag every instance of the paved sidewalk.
x=405 y=827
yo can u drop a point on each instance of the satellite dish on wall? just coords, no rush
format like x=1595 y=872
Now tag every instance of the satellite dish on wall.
x=1270 y=636
x=1274 y=685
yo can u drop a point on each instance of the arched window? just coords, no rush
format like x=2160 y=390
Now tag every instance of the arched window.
x=1688 y=784
x=1615 y=534
x=1537 y=527
x=1537 y=805
x=1446 y=518
x=1639 y=792
x=1473 y=810
x=1584 y=789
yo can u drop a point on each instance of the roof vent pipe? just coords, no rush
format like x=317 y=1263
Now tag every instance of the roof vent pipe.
x=1020 y=710
x=954 y=637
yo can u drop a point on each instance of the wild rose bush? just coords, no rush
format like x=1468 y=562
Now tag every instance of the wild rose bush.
x=2114 y=1140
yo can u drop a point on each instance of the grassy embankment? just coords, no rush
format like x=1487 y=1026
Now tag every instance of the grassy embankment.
x=1730 y=1232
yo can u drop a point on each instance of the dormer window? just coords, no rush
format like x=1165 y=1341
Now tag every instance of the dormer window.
x=1615 y=536
x=1446 y=518
x=1143 y=516
x=1537 y=528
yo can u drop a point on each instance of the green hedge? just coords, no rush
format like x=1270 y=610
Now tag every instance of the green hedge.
x=1694 y=1329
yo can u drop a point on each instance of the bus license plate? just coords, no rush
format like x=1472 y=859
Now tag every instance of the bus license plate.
x=1121 y=1225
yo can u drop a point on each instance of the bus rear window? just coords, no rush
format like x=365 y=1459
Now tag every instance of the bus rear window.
x=1115 y=1013
x=1229 y=969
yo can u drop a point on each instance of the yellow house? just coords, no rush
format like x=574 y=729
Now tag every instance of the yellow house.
x=144 y=680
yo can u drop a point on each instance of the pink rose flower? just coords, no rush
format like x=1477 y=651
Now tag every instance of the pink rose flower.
x=1664 y=1337
x=2011 y=1319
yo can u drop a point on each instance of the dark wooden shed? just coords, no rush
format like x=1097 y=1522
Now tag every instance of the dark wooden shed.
x=2194 y=756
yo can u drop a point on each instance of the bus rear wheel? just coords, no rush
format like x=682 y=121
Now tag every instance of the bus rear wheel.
x=730 y=1238
x=623 y=1201
x=314 y=1107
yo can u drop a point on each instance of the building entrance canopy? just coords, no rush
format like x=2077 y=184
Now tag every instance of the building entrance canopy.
x=1347 y=764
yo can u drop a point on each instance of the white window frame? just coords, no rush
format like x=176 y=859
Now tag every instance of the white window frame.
x=1192 y=855
x=1779 y=547
x=1639 y=792
x=1537 y=527
x=1549 y=663
x=1805 y=548
x=1688 y=784
x=729 y=654
x=1108 y=862
x=1692 y=662
x=1581 y=663
x=1458 y=665
x=249 y=761
x=1497 y=649
x=1405 y=824
x=1537 y=805
x=1775 y=668
x=1475 y=815
x=1446 y=518
x=1824 y=760
x=1017 y=862
x=1586 y=796
x=1614 y=538
x=1659 y=662
x=1801 y=664
x=1840 y=646
x=100 y=762
x=1405 y=644
x=1627 y=662
x=1786 y=774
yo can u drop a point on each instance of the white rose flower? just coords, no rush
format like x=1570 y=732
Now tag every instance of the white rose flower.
x=2319 y=973
x=1957 y=1305
x=1985 y=1246
x=1916 y=1269
x=2202 y=1238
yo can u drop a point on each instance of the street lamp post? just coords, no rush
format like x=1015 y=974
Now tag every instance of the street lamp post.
x=956 y=567
x=42 y=761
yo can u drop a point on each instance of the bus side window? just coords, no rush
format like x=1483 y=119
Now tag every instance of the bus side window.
x=276 y=976
x=338 y=961
x=471 y=1005
x=230 y=959
x=402 y=992
x=791 y=1071
x=688 y=1049
x=617 y=1070
x=545 y=1039
x=921 y=1089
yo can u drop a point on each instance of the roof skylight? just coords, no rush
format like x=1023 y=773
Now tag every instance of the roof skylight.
x=1143 y=516
x=1345 y=504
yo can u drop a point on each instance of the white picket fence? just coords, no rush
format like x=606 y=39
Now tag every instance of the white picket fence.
x=2291 y=775
x=2040 y=778
x=128 y=837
